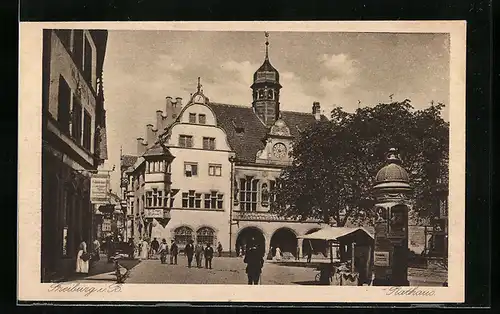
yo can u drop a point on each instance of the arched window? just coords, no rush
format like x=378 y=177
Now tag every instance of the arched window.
x=205 y=235
x=183 y=235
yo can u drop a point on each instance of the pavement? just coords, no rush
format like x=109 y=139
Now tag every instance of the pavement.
x=102 y=271
x=225 y=270
x=229 y=270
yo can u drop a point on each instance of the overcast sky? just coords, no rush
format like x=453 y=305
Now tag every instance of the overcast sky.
x=141 y=68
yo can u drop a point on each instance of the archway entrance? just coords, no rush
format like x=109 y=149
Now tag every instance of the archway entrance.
x=286 y=240
x=244 y=237
x=317 y=246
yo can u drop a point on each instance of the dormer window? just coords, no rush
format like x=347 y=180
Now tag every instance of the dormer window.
x=192 y=118
x=202 y=119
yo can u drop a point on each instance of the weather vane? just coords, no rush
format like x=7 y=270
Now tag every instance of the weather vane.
x=199 y=85
x=267 y=44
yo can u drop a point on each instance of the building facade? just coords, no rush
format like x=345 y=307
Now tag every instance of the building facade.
x=226 y=163
x=73 y=142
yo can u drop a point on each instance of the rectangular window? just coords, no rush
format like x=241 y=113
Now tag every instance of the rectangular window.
x=213 y=200
x=191 y=199
x=160 y=198
x=220 y=201
x=87 y=63
x=202 y=119
x=76 y=121
x=209 y=143
x=190 y=169
x=192 y=118
x=155 y=198
x=248 y=194
x=78 y=48
x=149 y=198
x=185 y=198
x=63 y=107
x=87 y=130
x=207 y=200
x=185 y=141
x=214 y=170
x=197 y=200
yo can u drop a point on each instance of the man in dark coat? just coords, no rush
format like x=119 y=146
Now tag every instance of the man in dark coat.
x=189 y=251
x=155 y=245
x=174 y=250
x=254 y=258
x=209 y=254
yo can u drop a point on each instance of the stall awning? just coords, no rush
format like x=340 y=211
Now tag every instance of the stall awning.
x=333 y=233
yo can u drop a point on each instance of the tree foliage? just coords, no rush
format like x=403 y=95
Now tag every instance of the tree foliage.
x=335 y=162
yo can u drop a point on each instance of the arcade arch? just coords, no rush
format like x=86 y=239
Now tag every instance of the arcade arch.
x=286 y=239
x=244 y=237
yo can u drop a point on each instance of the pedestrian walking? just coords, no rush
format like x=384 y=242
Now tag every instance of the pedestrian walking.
x=189 y=251
x=219 y=249
x=209 y=254
x=174 y=250
x=144 y=249
x=82 y=259
x=163 y=250
x=309 y=255
x=198 y=252
x=155 y=245
x=277 y=256
x=97 y=250
x=254 y=258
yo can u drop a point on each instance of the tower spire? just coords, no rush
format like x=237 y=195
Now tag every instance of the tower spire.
x=199 y=85
x=267 y=45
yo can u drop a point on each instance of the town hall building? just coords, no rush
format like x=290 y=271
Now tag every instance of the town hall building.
x=207 y=170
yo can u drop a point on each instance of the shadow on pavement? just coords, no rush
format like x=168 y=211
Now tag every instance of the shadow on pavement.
x=306 y=283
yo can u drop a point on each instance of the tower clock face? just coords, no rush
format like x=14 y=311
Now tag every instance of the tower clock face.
x=279 y=150
x=199 y=99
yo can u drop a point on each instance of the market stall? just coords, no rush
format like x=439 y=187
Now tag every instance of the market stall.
x=352 y=265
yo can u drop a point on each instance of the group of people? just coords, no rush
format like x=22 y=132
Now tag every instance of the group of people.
x=199 y=252
x=148 y=250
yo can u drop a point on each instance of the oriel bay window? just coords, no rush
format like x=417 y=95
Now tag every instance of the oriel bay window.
x=156 y=198
x=156 y=166
x=248 y=194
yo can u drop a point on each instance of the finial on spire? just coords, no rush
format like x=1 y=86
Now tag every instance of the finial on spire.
x=267 y=45
x=393 y=156
x=199 y=85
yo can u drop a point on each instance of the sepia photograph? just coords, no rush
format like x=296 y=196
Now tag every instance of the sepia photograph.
x=264 y=155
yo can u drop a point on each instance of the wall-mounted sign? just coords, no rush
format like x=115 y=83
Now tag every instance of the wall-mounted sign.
x=153 y=212
x=99 y=184
x=380 y=258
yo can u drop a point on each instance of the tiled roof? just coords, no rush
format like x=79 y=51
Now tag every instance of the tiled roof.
x=156 y=150
x=247 y=143
x=127 y=161
x=264 y=216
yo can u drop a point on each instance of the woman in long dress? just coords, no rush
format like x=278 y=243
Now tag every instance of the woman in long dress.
x=278 y=254
x=144 y=249
x=82 y=266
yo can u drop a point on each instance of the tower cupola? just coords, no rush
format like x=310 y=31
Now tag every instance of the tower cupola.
x=266 y=90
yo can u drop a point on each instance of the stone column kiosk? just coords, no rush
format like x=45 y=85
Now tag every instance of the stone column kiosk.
x=391 y=190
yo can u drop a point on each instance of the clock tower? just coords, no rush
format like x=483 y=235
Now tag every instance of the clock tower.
x=266 y=91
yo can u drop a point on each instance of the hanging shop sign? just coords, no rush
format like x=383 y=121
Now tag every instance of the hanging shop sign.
x=99 y=186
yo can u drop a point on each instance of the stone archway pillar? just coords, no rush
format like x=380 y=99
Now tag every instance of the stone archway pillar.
x=267 y=245
x=299 y=243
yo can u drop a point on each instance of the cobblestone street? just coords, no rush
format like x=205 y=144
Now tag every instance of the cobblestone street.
x=225 y=270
